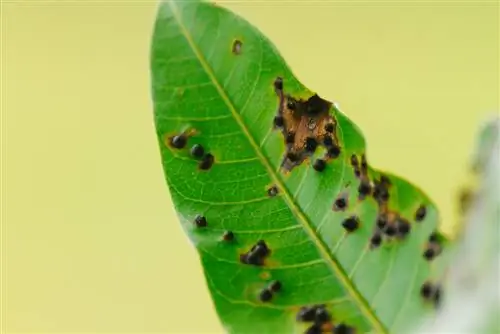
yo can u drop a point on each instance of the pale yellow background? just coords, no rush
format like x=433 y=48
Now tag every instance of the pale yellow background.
x=90 y=240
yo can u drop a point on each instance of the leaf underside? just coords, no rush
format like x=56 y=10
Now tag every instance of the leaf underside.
x=216 y=81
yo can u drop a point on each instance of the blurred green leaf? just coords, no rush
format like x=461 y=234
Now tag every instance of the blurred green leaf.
x=213 y=78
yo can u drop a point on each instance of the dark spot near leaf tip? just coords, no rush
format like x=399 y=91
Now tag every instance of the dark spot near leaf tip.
x=255 y=256
x=278 y=83
x=228 y=236
x=420 y=213
x=275 y=286
x=178 y=141
x=200 y=221
x=376 y=240
x=429 y=254
x=206 y=162
x=351 y=224
x=265 y=295
x=319 y=165
x=237 y=46
x=272 y=191
x=343 y=329
x=197 y=151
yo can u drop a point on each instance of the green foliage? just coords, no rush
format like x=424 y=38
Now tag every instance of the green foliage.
x=213 y=83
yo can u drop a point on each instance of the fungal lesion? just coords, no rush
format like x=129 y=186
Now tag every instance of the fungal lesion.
x=306 y=125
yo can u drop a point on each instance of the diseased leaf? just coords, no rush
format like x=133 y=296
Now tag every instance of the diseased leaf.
x=278 y=197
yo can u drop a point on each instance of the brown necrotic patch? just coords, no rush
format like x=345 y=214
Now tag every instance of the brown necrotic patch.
x=306 y=125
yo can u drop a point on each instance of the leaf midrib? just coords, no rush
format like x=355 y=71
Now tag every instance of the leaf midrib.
x=297 y=211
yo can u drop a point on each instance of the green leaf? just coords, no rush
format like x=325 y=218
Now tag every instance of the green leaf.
x=213 y=83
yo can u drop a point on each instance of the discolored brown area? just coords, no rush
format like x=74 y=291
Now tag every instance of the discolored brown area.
x=306 y=125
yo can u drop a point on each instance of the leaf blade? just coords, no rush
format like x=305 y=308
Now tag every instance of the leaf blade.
x=261 y=170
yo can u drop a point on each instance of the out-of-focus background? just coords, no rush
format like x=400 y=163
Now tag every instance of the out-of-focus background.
x=90 y=240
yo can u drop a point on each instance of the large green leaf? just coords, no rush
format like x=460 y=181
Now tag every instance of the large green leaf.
x=213 y=80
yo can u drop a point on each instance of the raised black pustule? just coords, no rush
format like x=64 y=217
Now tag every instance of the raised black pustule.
x=343 y=329
x=316 y=105
x=376 y=240
x=354 y=160
x=306 y=314
x=403 y=227
x=357 y=172
x=278 y=121
x=427 y=290
x=333 y=151
x=314 y=329
x=178 y=141
x=390 y=230
x=340 y=203
x=237 y=46
x=321 y=316
x=420 y=213
x=311 y=144
x=433 y=237
x=275 y=286
x=329 y=127
x=206 y=162
x=351 y=224
x=200 y=221
x=272 y=191
x=256 y=254
x=429 y=254
x=290 y=104
x=197 y=151
x=290 y=137
x=265 y=295
x=381 y=221
x=278 y=83
x=319 y=165
x=327 y=141
x=364 y=188
x=228 y=236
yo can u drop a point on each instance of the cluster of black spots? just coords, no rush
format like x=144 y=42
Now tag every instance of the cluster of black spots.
x=200 y=221
x=272 y=191
x=319 y=165
x=433 y=248
x=390 y=230
x=351 y=223
x=206 y=162
x=343 y=329
x=237 y=46
x=256 y=255
x=267 y=293
x=179 y=141
x=420 y=213
x=381 y=221
x=431 y=292
x=228 y=236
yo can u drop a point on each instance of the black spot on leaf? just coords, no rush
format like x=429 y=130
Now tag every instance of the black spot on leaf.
x=420 y=213
x=351 y=224
x=306 y=314
x=228 y=236
x=265 y=295
x=290 y=137
x=319 y=165
x=328 y=141
x=197 y=151
x=364 y=188
x=275 y=286
x=390 y=230
x=206 y=162
x=333 y=151
x=340 y=203
x=200 y=221
x=178 y=141
x=278 y=83
x=376 y=240
x=311 y=144
x=278 y=121
x=403 y=227
x=314 y=329
x=256 y=254
x=272 y=191
x=329 y=127
x=321 y=315
x=237 y=46
x=342 y=328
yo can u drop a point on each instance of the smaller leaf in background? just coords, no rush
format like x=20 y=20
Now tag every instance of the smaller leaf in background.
x=472 y=300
